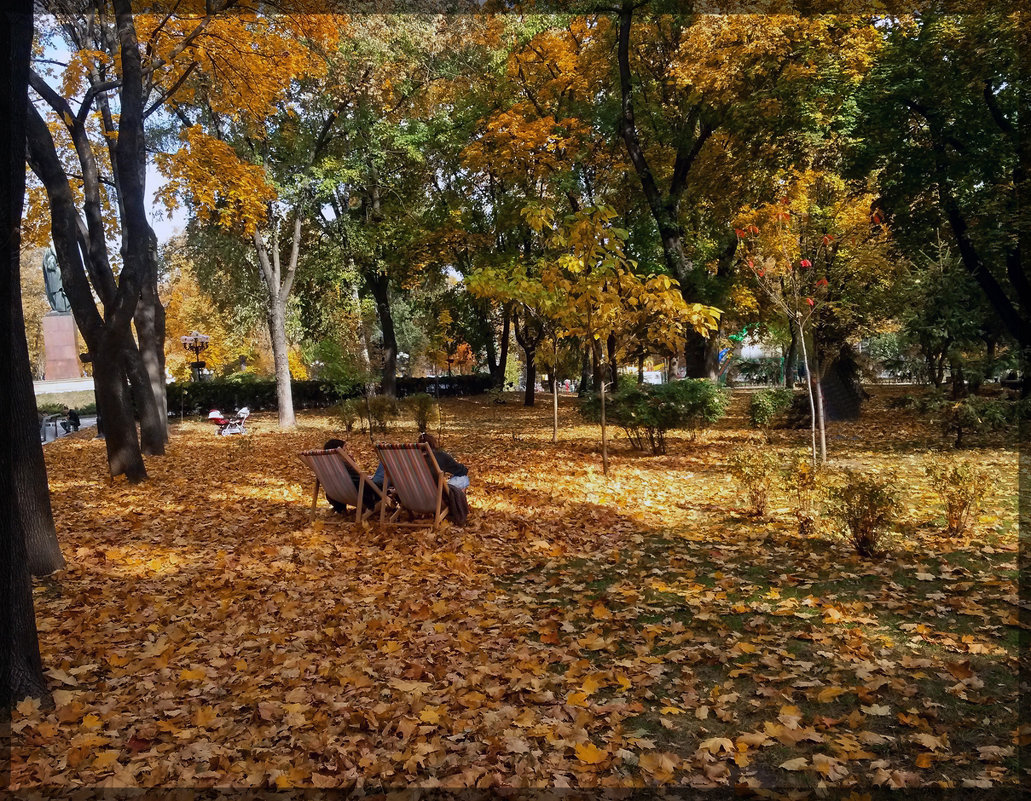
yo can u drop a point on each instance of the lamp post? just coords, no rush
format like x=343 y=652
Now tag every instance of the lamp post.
x=196 y=342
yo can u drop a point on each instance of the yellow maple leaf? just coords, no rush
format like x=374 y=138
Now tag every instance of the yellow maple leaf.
x=828 y=694
x=590 y=754
x=799 y=763
x=430 y=714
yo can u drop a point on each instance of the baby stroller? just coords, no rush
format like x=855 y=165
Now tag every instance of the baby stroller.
x=234 y=425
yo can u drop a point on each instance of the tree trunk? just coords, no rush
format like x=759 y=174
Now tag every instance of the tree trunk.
x=32 y=492
x=30 y=479
x=379 y=285
x=585 y=371
x=700 y=356
x=596 y=366
x=604 y=435
x=281 y=358
x=139 y=245
x=153 y=429
x=529 y=394
x=21 y=670
x=959 y=384
x=105 y=335
x=792 y=357
x=640 y=369
x=506 y=333
x=554 y=400
x=613 y=376
x=115 y=404
x=150 y=332
x=821 y=411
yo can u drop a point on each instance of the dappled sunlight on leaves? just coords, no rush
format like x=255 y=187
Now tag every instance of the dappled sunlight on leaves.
x=579 y=631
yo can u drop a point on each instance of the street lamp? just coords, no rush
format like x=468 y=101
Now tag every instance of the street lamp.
x=196 y=342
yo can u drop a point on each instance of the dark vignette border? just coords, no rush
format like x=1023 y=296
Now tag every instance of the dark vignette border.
x=871 y=8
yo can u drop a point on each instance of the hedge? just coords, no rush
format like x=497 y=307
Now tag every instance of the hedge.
x=260 y=395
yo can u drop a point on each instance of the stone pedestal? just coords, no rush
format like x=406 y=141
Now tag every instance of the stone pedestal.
x=60 y=346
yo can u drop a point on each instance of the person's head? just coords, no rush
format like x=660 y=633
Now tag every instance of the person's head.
x=429 y=439
x=332 y=444
x=66 y=410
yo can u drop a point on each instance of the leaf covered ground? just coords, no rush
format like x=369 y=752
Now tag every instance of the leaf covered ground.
x=580 y=631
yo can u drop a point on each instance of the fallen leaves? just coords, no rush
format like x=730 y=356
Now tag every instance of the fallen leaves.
x=205 y=635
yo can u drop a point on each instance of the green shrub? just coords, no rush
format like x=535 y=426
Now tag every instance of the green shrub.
x=803 y=480
x=864 y=505
x=974 y=415
x=382 y=410
x=424 y=410
x=962 y=486
x=350 y=411
x=646 y=412
x=768 y=404
x=754 y=467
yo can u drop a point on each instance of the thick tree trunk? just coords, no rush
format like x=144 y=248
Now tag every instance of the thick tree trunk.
x=585 y=371
x=31 y=487
x=153 y=428
x=115 y=404
x=597 y=374
x=701 y=357
x=150 y=332
x=21 y=670
x=281 y=358
x=379 y=286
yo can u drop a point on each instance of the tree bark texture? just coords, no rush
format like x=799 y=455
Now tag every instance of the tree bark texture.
x=21 y=670
x=278 y=284
x=105 y=336
x=139 y=244
x=32 y=491
x=379 y=286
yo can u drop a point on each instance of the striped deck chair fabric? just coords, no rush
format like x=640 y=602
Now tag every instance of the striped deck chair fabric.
x=331 y=472
x=419 y=482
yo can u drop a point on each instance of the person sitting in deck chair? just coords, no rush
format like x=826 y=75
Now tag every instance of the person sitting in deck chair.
x=458 y=505
x=369 y=496
x=459 y=472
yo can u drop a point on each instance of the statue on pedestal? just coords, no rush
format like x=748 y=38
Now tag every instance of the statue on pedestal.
x=52 y=280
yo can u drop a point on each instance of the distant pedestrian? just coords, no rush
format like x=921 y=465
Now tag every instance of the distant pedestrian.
x=71 y=421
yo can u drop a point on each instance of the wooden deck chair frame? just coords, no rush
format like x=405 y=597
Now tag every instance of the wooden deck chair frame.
x=389 y=479
x=364 y=481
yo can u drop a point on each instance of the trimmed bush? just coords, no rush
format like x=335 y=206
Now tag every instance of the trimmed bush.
x=381 y=411
x=754 y=467
x=445 y=386
x=350 y=411
x=864 y=505
x=962 y=486
x=423 y=410
x=257 y=395
x=646 y=412
x=767 y=405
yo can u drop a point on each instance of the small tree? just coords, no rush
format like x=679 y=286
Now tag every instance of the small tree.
x=865 y=505
x=962 y=486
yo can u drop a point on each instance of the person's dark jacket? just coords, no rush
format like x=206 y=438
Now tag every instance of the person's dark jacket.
x=448 y=464
x=73 y=418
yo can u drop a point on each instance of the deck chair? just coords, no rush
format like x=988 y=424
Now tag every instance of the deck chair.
x=332 y=474
x=418 y=481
